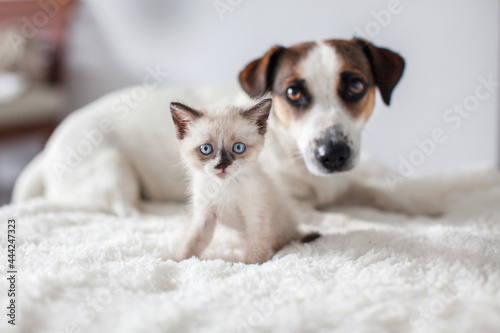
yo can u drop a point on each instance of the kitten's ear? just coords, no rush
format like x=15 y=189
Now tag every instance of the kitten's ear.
x=259 y=113
x=183 y=116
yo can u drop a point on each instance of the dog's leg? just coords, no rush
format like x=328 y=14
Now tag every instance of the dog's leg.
x=198 y=236
x=393 y=201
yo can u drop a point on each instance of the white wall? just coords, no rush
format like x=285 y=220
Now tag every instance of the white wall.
x=448 y=45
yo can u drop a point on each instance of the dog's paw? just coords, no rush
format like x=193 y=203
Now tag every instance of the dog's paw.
x=414 y=207
x=125 y=210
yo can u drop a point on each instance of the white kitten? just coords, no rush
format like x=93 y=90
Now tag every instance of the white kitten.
x=221 y=148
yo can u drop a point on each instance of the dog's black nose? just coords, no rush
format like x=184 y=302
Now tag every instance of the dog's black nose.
x=333 y=156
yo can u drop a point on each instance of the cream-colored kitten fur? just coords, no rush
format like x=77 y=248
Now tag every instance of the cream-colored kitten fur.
x=221 y=148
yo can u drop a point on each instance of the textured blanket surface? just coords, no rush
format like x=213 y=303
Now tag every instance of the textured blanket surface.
x=371 y=271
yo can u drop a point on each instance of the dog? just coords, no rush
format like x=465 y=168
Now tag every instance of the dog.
x=109 y=156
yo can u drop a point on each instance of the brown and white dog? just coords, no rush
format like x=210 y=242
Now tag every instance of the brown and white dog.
x=108 y=156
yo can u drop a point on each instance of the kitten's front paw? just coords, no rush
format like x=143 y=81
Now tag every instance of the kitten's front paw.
x=181 y=255
x=178 y=258
x=257 y=257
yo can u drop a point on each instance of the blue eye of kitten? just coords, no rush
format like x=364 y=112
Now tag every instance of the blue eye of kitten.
x=206 y=149
x=239 y=147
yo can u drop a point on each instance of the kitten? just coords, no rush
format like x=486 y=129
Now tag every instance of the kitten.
x=221 y=149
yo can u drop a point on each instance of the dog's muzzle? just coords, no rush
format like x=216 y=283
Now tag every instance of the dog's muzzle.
x=333 y=152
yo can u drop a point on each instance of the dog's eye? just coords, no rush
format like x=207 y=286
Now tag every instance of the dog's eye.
x=353 y=87
x=296 y=94
x=356 y=86
x=293 y=93
x=206 y=149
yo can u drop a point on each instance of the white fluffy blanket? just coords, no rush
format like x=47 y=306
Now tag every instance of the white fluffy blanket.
x=372 y=271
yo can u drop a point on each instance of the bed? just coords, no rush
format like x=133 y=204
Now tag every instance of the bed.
x=371 y=271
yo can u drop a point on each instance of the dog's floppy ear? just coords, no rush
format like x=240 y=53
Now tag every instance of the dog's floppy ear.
x=387 y=67
x=183 y=116
x=256 y=78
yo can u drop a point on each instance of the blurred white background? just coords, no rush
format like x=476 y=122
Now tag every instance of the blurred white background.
x=447 y=44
